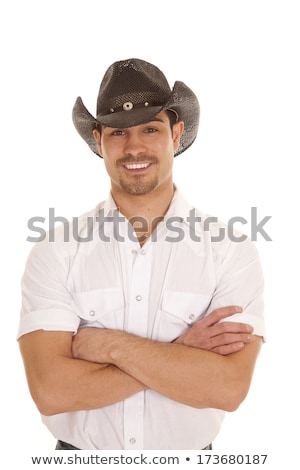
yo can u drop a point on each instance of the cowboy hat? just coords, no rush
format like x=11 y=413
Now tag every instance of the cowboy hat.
x=133 y=92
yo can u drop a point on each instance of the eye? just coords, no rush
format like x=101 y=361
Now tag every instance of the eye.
x=150 y=130
x=117 y=132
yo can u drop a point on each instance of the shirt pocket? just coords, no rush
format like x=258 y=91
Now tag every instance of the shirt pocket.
x=179 y=310
x=101 y=308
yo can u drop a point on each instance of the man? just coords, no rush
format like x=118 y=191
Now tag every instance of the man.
x=140 y=328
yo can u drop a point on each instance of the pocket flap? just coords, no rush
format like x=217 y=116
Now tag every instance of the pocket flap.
x=93 y=305
x=185 y=305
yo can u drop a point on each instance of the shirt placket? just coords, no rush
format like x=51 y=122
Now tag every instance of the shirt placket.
x=139 y=267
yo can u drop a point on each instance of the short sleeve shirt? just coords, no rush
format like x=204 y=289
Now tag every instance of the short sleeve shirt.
x=92 y=272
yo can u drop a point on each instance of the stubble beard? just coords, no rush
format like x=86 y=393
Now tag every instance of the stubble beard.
x=139 y=184
x=139 y=187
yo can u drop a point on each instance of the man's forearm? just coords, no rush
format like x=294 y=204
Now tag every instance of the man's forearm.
x=85 y=386
x=192 y=370
x=188 y=375
x=185 y=374
x=60 y=383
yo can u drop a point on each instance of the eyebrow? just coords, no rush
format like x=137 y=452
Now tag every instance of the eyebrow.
x=155 y=119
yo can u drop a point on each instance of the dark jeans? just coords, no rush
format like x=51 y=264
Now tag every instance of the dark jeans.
x=61 y=445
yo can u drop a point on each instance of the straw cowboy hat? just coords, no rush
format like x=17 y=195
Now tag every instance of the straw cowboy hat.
x=132 y=92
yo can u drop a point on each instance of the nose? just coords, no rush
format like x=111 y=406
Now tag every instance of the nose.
x=134 y=143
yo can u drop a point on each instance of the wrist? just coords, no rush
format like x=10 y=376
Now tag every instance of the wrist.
x=116 y=345
x=124 y=348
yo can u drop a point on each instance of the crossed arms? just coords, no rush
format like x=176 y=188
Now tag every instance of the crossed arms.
x=210 y=365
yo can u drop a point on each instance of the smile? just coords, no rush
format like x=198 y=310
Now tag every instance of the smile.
x=137 y=166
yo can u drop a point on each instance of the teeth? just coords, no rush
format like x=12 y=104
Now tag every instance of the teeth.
x=137 y=166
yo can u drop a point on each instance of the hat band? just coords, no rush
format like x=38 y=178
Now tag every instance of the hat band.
x=128 y=106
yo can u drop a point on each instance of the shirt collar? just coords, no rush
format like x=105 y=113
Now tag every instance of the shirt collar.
x=178 y=208
x=109 y=206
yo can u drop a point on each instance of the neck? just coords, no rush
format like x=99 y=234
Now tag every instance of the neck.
x=144 y=211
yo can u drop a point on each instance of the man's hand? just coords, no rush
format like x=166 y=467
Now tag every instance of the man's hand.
x=219 y=337
x=89 y=344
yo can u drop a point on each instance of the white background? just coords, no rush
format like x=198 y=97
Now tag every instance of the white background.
x=242 y=60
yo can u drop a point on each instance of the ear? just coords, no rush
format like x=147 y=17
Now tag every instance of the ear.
x=178 y=129
x=97 y=137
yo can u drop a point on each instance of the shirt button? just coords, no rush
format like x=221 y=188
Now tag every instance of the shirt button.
x=138 y=298
x=134 y=252
x=143 y=252
x=132 y=440
x=191 y=316
x=92 y=313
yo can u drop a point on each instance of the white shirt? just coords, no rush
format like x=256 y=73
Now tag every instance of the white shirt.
x=157 y=291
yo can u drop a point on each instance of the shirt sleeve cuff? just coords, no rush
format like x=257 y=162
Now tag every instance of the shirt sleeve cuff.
x=50 y=319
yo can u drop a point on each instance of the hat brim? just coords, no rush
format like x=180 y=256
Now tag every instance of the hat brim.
x=182 y=100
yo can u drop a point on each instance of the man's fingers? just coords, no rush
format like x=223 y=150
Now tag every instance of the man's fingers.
x=222 y=337
x=230 y=339
x=229 y=348
x=220 y=314
x=229 y=327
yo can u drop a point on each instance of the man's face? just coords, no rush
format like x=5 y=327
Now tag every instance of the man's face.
x=139 y=159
